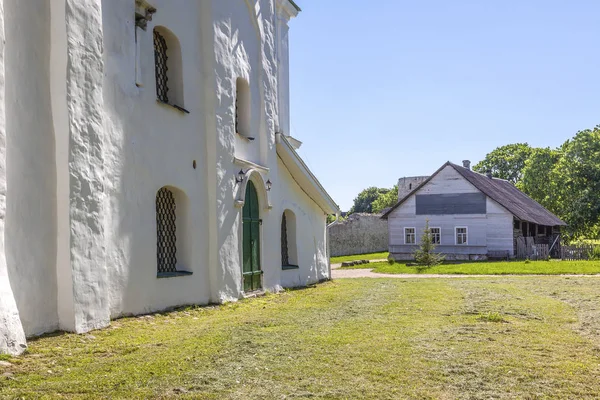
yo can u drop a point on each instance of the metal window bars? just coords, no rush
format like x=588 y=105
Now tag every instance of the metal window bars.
x=285 y=257
x=166 y=232
x=161 y=67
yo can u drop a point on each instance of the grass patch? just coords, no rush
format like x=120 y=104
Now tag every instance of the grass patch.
x=356 y=257
x=492 y=317
x=353 y=338
x=495 y=268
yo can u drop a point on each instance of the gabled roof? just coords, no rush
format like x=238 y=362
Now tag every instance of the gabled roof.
x=502 y=192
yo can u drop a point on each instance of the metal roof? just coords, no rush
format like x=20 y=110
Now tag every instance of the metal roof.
x=502 y=192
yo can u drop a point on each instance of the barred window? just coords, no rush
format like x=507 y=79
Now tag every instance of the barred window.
x=161 y=67
x=168 y=68
x=173 y=233
x=289 y=251
x=166 y=231
x=285 y=258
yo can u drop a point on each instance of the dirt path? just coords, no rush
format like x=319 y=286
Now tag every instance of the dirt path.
x=367 y=273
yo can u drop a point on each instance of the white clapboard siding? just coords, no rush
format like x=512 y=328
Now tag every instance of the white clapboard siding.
x=499 y=227
x=491 y=231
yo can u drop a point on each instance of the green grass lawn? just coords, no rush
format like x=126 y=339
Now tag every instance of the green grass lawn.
x=472 y=338
x=370 y=256
x=493 y=268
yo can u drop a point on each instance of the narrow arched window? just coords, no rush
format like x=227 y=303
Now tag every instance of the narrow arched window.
x=285 y=256
x=166 y=231
x=168 y=67
x=242 y=108
x=289 y=253
x=173 y=230
x=161 y=67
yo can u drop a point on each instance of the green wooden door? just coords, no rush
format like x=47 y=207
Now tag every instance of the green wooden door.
x=251 y=241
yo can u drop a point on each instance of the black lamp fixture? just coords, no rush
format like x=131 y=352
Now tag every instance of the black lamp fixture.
x=269 y=184
x=240 y=176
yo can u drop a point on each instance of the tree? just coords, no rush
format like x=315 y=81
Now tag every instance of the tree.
x=506 y=162
x=575 y=180
x=425 y=255
x=363 y=202
x=536 y=176
x=385 y=200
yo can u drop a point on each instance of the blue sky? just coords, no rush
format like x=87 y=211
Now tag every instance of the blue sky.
x=391 y=88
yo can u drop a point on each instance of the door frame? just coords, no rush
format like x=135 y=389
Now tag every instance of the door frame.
x=264 y=205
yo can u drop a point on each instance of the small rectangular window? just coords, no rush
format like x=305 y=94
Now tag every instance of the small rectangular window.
x=462 y=236
x=436 y=235
x=410 y=236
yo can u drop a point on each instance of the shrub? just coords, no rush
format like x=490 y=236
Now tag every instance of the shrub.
x=594 y=254
x=425 y=255
x=391 y=260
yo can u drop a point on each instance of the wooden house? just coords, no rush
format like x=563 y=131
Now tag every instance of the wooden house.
x=472 y=216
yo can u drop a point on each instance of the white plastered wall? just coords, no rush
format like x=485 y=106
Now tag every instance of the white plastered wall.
x=30 y=235
x=311 y=233
x=12 y=336
x=151 y=145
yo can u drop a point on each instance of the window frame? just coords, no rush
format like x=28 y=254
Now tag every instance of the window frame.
x=414 y=233
x=466 y=233
x=439 y=234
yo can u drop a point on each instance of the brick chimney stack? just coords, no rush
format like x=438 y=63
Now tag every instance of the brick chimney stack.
x=467 y=164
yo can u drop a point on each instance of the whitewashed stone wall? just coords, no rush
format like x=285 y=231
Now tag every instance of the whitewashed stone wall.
x=360 y=234
x=85 y=146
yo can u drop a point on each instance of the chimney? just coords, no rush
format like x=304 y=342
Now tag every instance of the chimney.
x=467 y=164
x=488 y=173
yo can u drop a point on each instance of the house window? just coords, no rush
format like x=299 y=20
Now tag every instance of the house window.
x=289 y=253
x=410 y=236
x=436 y=235
x=242 y=108
x=462 y=235
x=168 y=68
x=171 y=243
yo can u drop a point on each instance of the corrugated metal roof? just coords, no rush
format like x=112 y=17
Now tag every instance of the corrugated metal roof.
x=503 y=192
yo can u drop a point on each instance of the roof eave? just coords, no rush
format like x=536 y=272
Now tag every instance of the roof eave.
x=303 y=176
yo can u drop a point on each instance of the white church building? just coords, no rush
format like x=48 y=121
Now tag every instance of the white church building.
x=146 y=161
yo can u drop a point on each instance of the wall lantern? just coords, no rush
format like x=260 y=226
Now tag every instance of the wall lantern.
x=240 y=176
x=269 y=184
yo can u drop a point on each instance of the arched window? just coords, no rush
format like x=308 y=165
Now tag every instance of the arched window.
x=172 y=251
x=289 y=253
x=242 y=109
x=168 y=67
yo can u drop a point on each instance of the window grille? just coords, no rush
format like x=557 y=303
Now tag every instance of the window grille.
x=285 y=256
x=166 y=237
x=161 y=67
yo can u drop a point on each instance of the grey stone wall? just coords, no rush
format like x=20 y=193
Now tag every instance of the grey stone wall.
x=360 y=234
x=408 y=183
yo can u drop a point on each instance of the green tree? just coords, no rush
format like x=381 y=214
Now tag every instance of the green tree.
x=385 y=200
x=536 y=180
x=363 y=202
x=506 y=162
x=575 y=181
x=425 y=256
